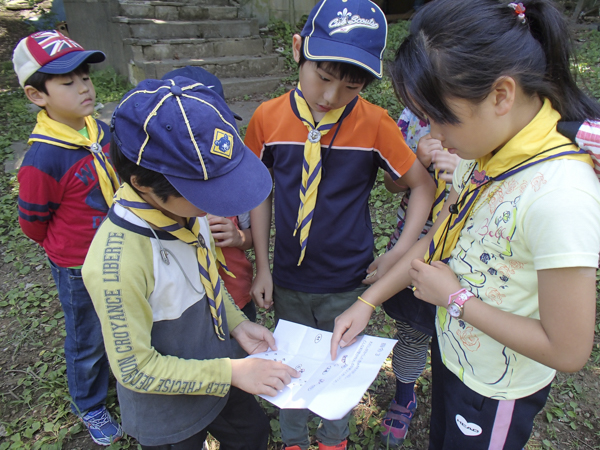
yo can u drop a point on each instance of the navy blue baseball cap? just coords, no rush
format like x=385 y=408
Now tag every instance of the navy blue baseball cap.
x=203 y=76
x=184 y=130
x=348 y=31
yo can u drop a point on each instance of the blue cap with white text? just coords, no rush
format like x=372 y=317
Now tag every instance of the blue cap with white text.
x=349 y=31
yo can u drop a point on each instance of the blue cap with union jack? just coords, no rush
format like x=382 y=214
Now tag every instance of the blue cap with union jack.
x=50 y=52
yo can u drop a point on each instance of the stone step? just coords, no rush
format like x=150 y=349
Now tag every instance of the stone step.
x=239 y=87
x=207 y=29
x=223 y=67
x=179 y=2
x=192 y=48
x=177 y=11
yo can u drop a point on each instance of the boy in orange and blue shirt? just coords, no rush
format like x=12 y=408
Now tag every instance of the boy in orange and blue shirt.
x=324 y=145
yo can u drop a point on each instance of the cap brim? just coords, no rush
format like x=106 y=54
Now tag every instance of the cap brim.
x=72 y=61
x=236 y=192
x=319 y=49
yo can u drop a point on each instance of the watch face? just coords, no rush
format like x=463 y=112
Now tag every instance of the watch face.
x=454 y=310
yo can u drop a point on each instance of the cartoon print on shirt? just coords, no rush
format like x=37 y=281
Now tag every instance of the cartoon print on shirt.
x=500 y=229
x=491 y=240
x=468 y=337
x=464 y=270
x=537 y=181
x=495 y=295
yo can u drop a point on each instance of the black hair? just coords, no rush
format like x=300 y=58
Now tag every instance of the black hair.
x=38 y=79
x=145 y=177
x=459 y=48
x=344 y=71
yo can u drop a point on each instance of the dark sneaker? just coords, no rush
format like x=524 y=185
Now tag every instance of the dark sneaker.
x=396 y=422
x=103 y=429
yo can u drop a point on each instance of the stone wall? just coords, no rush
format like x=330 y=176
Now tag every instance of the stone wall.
x=287 y=10
x=90 y=24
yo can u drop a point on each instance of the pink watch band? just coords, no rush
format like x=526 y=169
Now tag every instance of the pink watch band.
x=460 y=297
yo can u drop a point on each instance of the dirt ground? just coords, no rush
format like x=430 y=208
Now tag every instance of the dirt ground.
x=12 y=29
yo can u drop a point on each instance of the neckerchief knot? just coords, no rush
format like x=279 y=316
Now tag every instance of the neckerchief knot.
x=311 y=165
x=190 y=234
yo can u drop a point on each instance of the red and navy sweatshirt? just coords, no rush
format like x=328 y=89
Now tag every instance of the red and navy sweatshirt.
x=60 y=201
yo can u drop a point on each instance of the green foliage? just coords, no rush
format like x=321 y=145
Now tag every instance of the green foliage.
x=281 y=32
x=381 y=93
x=396 y=34
x=383 y=205
x=110 y=87
x=17 y=121
x=587 y=63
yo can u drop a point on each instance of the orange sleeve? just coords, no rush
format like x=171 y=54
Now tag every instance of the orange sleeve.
x=254 y=138
x=392 y=148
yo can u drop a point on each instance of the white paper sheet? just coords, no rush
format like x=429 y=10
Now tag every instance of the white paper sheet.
x=328 y=388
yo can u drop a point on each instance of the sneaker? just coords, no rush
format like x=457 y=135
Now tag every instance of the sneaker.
x=103 y=429
x=396 y=422
x=340 y=446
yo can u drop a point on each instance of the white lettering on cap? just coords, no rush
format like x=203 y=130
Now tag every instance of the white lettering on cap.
x=346 y=22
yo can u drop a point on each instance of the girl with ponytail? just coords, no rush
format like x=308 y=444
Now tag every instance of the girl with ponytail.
x=511 y=261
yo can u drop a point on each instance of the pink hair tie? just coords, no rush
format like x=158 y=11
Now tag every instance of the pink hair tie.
x=519 y=11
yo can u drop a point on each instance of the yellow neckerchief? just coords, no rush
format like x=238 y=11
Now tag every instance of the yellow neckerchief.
x=221 y=261
x=52 y=132
x=311 y=166
x=209 y=274
x=440 y=195
x=537 y=142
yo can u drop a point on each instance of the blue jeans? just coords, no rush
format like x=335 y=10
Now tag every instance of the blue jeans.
x=87 y=365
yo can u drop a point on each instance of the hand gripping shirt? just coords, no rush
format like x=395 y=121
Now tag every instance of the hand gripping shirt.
x=173 y=372
x=543 y=217
x=340 y=244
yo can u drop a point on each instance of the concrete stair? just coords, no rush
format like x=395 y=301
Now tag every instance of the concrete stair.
x=159 y=36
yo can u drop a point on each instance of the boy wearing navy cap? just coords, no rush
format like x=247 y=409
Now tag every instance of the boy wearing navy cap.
x=66 y=185
x=152 y=273
x=324 y=145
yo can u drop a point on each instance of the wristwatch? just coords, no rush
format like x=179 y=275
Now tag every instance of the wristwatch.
x=456 y=302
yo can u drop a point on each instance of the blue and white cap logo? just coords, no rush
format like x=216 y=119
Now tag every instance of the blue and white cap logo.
x=328 y=34
x=347 y=22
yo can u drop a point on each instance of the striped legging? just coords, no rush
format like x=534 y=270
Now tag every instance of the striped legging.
x=410 y=353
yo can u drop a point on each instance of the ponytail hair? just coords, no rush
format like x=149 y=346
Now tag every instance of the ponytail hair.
x=460 y=48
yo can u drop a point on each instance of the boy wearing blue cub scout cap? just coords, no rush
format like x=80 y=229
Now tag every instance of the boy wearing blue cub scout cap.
x=66 y=185
x=324 y=145
x=152 y=273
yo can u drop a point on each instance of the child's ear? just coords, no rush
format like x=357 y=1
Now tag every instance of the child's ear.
x=36 y=97
x=297 y=47
x=134 y=182
x=503 y=95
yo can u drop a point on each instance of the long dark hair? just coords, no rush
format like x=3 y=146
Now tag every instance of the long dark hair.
x=459 y=48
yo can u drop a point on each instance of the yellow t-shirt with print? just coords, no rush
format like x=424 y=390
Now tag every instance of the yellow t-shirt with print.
x=543 y=217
